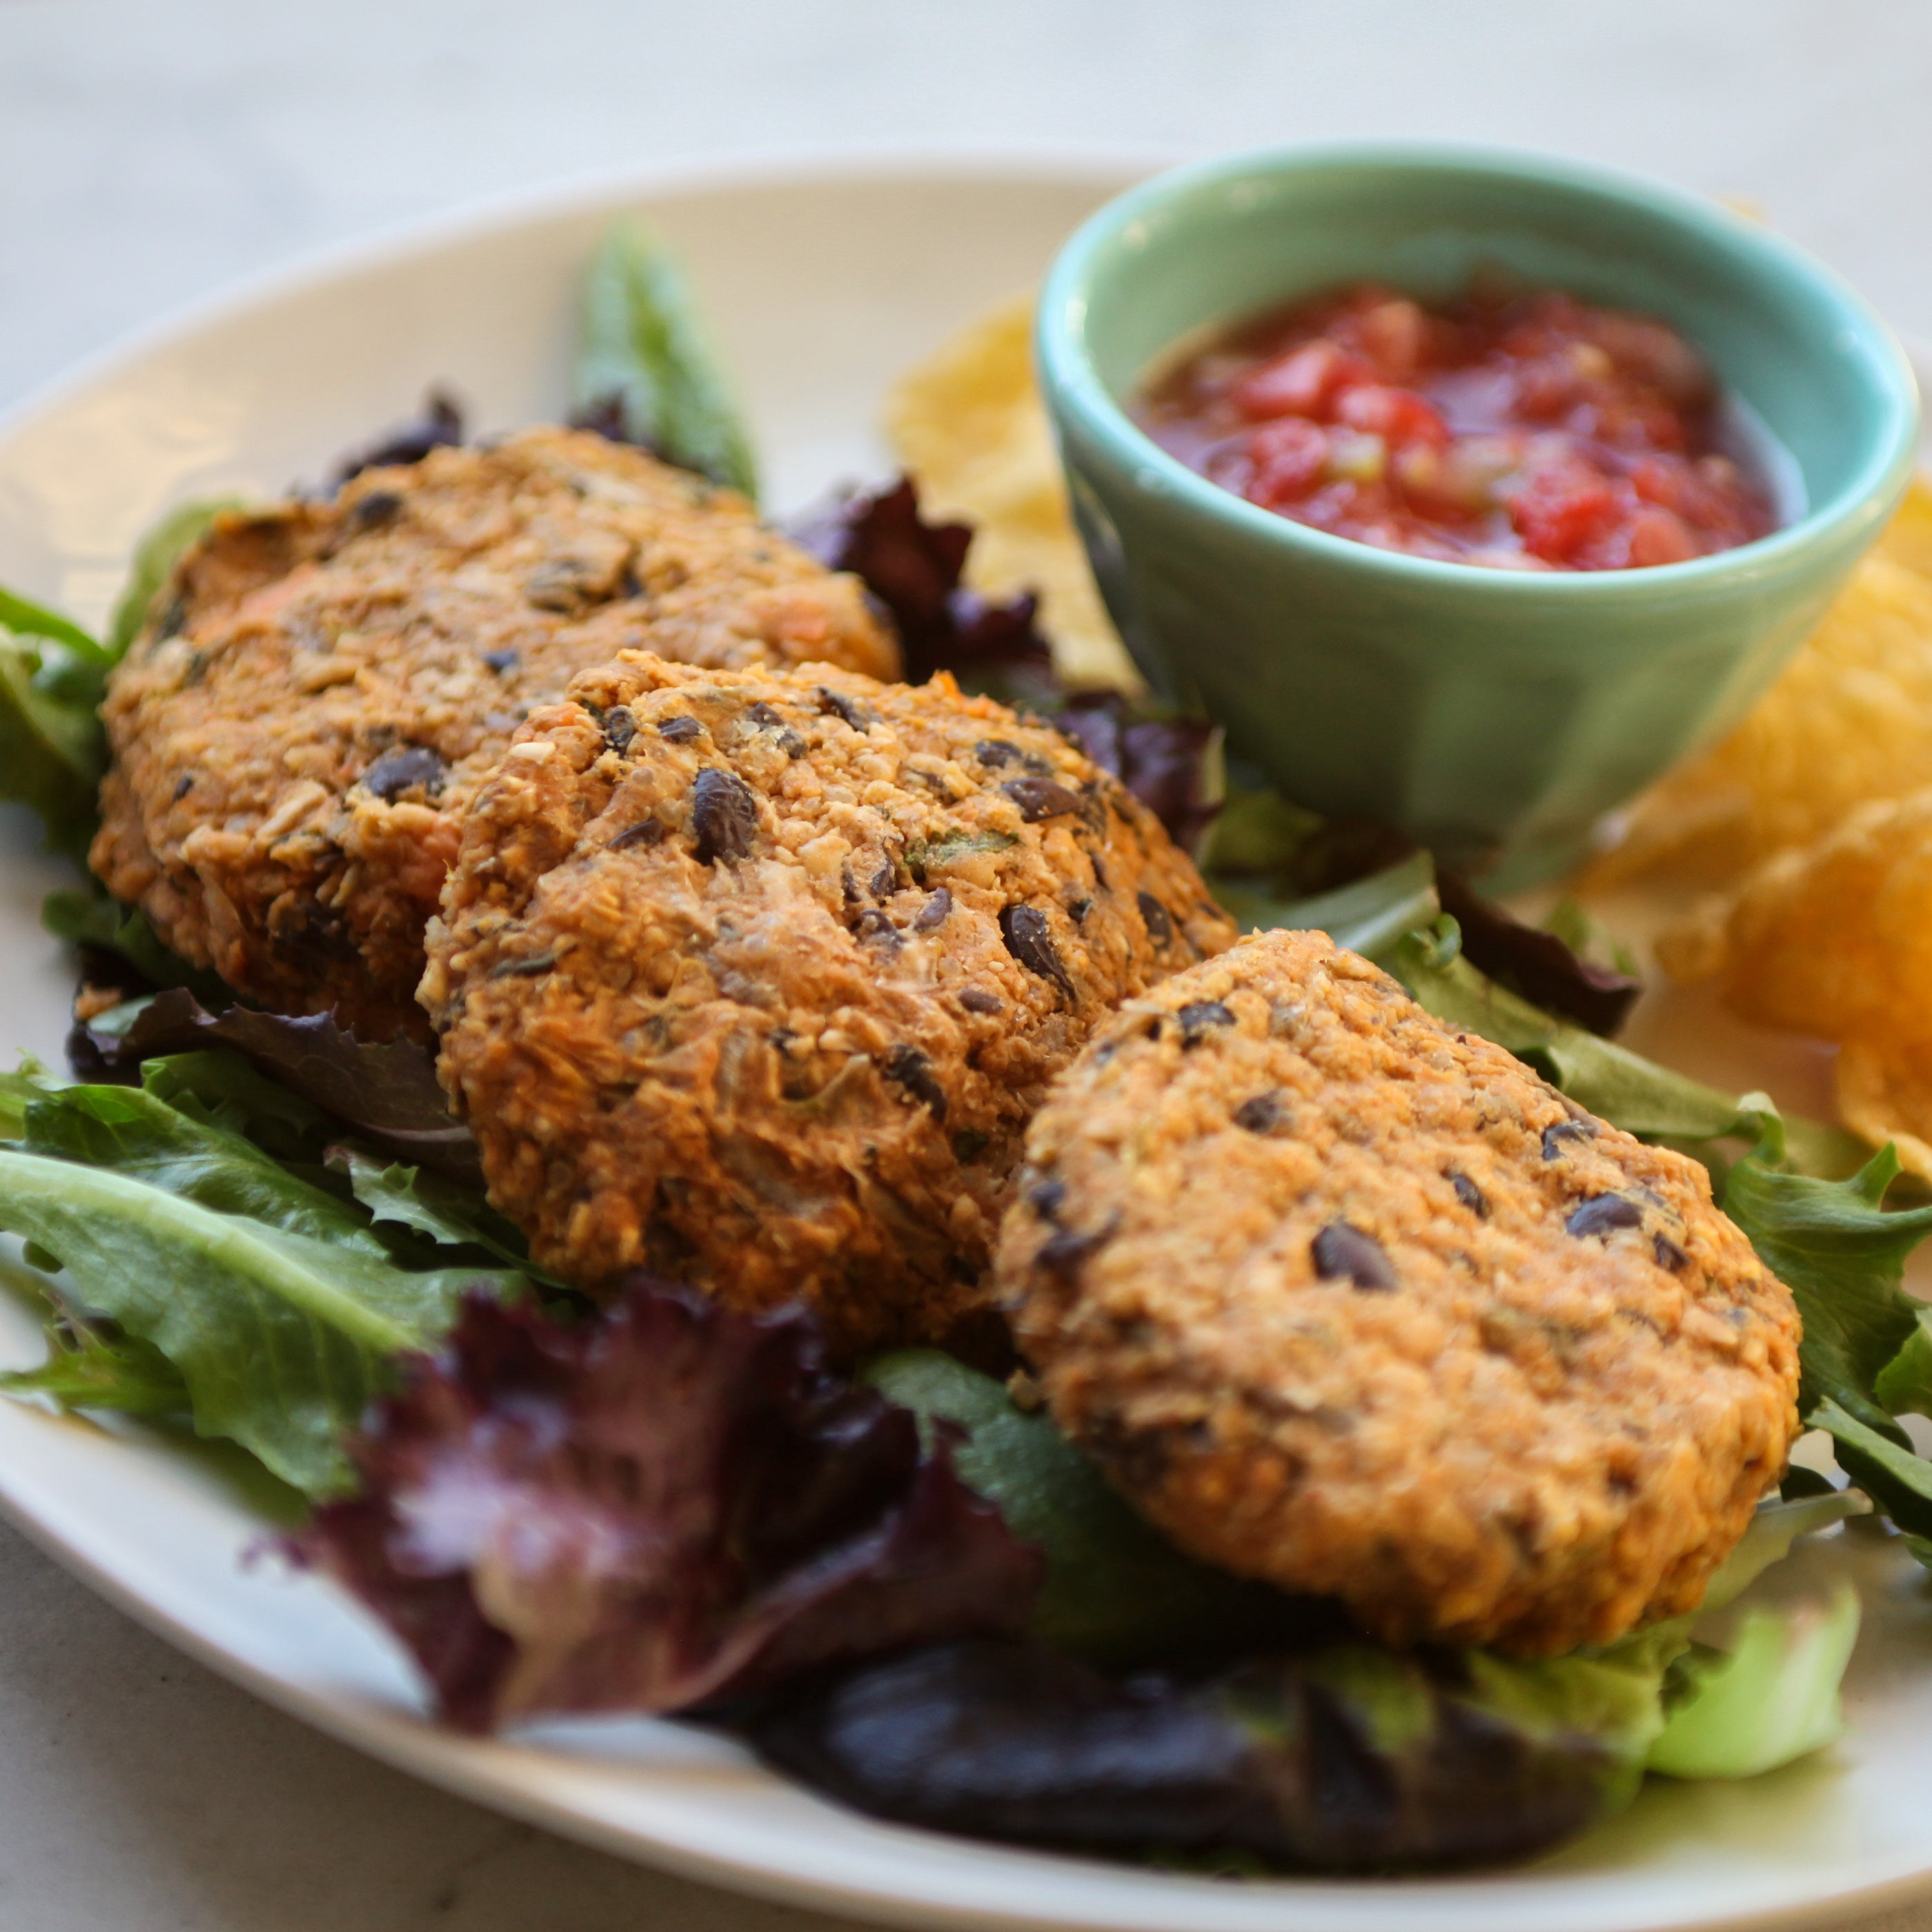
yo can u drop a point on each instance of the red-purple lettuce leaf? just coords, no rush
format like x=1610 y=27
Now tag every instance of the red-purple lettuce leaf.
x=1345 y=1758
x=437 y=425
x=912 y=567
x=1161 y=760
x=386 y=1092
x=671 y=1505
x=1536 y=963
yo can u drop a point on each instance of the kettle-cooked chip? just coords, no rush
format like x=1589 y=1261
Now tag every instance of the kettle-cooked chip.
x=968 y=423
x=1885 y=1093
x=1835 y=940
x=1850 y=721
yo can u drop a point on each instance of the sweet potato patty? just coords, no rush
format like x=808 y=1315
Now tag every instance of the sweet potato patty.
x=1347 y=1299
x=755 y=978
x=298 y=732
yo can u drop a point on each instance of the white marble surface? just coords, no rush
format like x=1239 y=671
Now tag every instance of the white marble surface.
x=151 y=152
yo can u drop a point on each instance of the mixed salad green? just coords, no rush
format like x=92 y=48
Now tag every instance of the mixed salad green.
x=908 y=1587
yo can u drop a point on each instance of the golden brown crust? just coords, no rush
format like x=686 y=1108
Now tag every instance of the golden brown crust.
x=1491 y=1422
x=296 y=737
x=756 y=978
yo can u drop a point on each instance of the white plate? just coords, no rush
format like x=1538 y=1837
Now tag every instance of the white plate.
x=822 y=280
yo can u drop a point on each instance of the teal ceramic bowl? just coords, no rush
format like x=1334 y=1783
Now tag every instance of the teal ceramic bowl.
x=1494 y=715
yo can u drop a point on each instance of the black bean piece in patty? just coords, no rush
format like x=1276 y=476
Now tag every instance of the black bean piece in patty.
x=1343 y=1252
x=724 y=814
x=680 y=731
x=975 y=1001
x=1046 y=1197
x=1471 y=1196
x=854 y=713
x=906 y=1067
x=1154 y=917
x=1062 y=1253
x=1554 y=1137
x=1197 y=1017
x=1041 y=798
x=646 y=832
x=619 y=728
x=934 y=912
x=1603 y=1214
x=403 y=770
x=1029 y=940
x=1261 y=1114
x=372 y=511
x=873 y=924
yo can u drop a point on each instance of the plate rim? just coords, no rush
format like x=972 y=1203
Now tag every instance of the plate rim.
x=477 y=218
x=413 y=1744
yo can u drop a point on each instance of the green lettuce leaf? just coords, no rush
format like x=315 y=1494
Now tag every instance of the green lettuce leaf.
x=136 y=1133
x=646 y=369
x=1656 y=1701
x=1116 y=1592
x=52 y=751
x=1842 y=1256
x=53 y=677
x=443 y=1211
x=280 y=1306
x=87 y=917
x=1368 y=916
x=1895 y=1477
x=1614 y=1699
x=90 y=1364
x=1390 y=916
x=1768 y=1539
x=217 y=1086
x=1904 y=1385
x=26 y=618
x=1862 y=1357
x=155 y=555
x=91 y=1367
x=1257 y=834
x=1771 y=1696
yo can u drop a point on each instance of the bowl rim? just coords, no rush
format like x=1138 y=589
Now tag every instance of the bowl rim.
x=1069 y=380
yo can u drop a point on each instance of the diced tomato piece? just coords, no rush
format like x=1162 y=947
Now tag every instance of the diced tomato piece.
x=1650 y=352
x=1658 y=536
x=1395 y=336
x=1658 y=480
x=1559 y=514
x=1289 y=456
x=1396 y=415
x=1545 y=386
x=1298 y=384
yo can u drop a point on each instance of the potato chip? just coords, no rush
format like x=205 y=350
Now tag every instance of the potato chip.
x=1850 y=721
x=1885 y=1093
x=968 y=424
x=1835 y=940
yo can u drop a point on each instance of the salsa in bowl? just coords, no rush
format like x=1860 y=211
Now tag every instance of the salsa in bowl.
x=1494 y=714
x=1524 y=430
